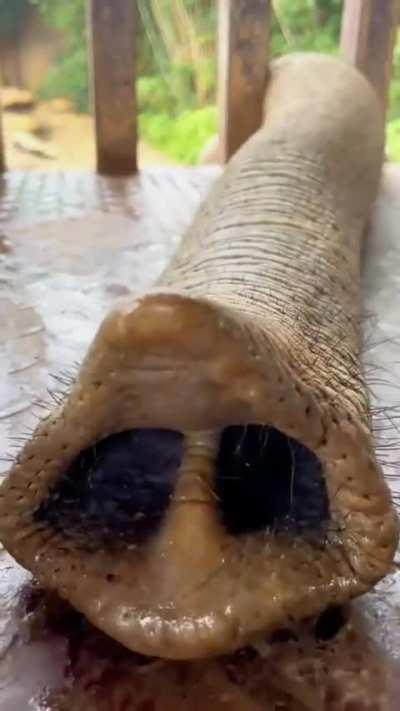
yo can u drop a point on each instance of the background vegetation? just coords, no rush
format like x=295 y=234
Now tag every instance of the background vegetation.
x=177 y=62
x=11 y=14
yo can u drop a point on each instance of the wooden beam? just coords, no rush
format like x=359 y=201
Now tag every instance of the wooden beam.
x=2 y=155
x=112 y=28
x=242 y=70
x=367 y=39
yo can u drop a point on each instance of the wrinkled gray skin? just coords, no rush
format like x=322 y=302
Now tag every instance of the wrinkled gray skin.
x=255 y=321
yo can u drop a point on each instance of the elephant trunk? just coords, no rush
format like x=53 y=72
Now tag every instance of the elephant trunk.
x=278 y=239
x=211 y=476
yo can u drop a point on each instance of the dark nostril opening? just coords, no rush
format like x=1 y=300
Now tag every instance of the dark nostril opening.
x=117 y=490
x=268 y=481
x=329 y=623
x=284 y=635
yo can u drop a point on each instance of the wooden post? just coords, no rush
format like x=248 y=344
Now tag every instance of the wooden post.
x=112 y=26
x=2 y=158
x=242 y=71
x=367 y=39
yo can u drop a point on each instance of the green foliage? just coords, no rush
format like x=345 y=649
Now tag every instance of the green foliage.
x=67 y=16
x=153 y=94
x=181 y=33
x=393 y=139
x=301 y=25
x=171 y=92
x=69 y=78
x=70 y=75
x=394 y=92
x=181 y=137
x=393 y=126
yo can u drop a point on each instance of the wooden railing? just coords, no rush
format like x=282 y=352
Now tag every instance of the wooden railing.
x=367 y=38
x=113 y=33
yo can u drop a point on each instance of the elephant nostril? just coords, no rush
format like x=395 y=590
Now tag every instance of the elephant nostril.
x=329 y=623
x=117 y=490
x=268 y=481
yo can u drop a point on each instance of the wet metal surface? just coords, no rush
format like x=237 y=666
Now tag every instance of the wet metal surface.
x=69 y=245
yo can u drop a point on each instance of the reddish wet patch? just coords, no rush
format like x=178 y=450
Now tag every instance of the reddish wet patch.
x=351 y=672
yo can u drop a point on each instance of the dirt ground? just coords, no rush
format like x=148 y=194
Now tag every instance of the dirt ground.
x=66 y=136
